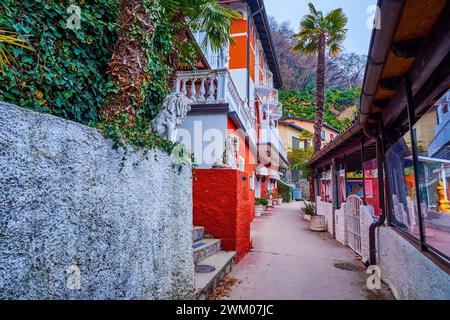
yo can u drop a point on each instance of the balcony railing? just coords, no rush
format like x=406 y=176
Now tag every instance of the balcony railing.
x=269 y=134
x=214 y=87
x=265 y=86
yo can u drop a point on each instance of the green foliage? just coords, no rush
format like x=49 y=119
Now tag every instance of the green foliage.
x=302 y=103
x=342 y=99
x=309 y=209
x=284 y=191
x=261 y=202
x=64 y=75
x=298 y=159
x=316 y=25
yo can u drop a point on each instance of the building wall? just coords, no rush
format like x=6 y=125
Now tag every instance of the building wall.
x=69 y=202
x=407 y=271
x=309 y=125
x=286 y=134
x=222 y=202
x=195 y=133
x=325 y=209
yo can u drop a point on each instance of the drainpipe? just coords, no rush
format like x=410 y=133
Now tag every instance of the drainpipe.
x=248 y=48
x=381 y=193
x=334 y=194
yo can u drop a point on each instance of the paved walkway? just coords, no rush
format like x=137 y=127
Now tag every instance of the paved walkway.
x=288 y=261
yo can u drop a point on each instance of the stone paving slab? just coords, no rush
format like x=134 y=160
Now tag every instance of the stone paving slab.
x=288 y=261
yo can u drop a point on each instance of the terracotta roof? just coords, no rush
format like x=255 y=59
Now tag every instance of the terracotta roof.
x=326 y=125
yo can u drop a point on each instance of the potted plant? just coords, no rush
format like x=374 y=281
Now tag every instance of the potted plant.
x=260 y=205
x=317 y=222
x=268 y=197
x=280 y=199
x=309 y=210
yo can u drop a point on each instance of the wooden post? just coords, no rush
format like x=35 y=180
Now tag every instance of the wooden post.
x=333 y=195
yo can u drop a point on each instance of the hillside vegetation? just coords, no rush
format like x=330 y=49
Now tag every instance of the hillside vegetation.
x=343 y=80
x=301 y=103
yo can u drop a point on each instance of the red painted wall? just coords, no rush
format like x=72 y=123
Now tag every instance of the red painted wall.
x=222 y=204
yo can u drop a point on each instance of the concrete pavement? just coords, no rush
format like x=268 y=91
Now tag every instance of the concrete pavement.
x=288 y=261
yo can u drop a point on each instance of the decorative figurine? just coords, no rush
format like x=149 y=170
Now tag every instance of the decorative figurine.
x=174 y=109
x=442 y=203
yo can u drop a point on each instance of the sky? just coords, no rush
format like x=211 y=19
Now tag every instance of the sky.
x=357 y=11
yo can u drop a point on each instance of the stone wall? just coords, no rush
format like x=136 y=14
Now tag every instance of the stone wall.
x=70 y=204
x=325 y=209
x=366 y=219
x=341 y=225
x=407 y=271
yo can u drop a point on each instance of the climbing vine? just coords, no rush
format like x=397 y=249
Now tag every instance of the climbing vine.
x=66 y=73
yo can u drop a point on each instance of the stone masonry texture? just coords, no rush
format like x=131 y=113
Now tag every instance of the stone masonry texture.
x=70 y=203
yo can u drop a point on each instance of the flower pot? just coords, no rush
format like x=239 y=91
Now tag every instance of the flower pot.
x=275 y=202
x=308 y=217
x=318 y=223
x=280 y=200
x=270 y=202
x=259 y=210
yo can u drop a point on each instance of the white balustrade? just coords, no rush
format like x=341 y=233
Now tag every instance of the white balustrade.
x=215 y=87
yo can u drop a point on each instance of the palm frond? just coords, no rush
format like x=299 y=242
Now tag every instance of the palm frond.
x=215 y=20
x=7 y=39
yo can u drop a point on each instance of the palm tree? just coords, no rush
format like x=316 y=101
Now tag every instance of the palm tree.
x=127 y=68
x=317 y=33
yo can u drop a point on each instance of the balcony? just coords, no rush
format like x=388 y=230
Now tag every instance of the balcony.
x=272 y=107
x=216 y=87
x=269 y=135
x=265 y=86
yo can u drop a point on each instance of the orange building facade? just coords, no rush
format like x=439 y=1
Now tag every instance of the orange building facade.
x=232 y=128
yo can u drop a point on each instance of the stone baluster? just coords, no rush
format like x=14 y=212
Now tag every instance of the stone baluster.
x=192 y=91
x=211 y=89
x=202 y=92
x=183 y=86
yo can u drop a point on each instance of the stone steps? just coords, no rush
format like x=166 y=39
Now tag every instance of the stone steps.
x=198 y=233
x=204 y=248
x=207 y=252
x=205 y=283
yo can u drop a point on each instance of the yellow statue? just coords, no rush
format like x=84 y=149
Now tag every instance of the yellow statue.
x=443 y=205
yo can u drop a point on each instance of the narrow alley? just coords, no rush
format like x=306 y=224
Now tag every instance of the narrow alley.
x=288 y=261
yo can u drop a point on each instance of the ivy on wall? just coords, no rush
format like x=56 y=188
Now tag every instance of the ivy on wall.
x=66 y=74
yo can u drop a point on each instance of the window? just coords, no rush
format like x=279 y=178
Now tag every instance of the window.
x=371 y=185
x=403 y=196
x=432 y=139
x=295 y=144
x=331 y=136
x=323 y=135
x=326 y=186
x=433 y=144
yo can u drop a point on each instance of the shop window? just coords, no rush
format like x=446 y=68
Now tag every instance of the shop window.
x=403 y=196
x=433 y=144
x=432 y=140
x=355 y=185
x=326 y=186
x=371 y=186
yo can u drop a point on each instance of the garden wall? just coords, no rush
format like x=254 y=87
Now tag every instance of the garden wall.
x=77 y=221
x=223 y=205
